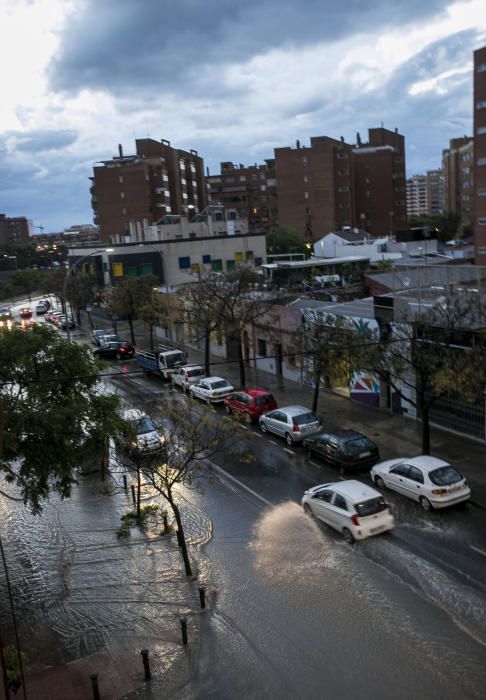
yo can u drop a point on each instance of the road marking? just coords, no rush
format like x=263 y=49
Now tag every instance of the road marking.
x=314 y=464
x=239 y=483
x=257 y=434
x=478 y=550
x=243 y=427
x=273 y=442
x=291 y=452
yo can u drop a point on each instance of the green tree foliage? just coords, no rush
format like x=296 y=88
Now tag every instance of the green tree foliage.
x=25 y=281
x=153 y=311
x=445 y=226
x=52 y=412
x=82 y=289
x=131 y=295
x=281 y=241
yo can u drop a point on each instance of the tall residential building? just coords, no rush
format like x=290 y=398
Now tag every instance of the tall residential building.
x=251 y=191
x=15 y=230
x=315 y=187
x=417 y=197
x=457 y=166
x=380 y=189
x=479 y=200
x=425 y=194
x=435 y=191
x=158 y=180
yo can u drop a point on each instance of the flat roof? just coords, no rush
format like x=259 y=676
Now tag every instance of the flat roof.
x=315 y=262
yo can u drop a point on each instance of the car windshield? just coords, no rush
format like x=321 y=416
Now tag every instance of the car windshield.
x=195 y=372
x=371 y=507
x=445 y=476
x=175 y=360
x=357 y=445
x=262 y=400
x=305 y=419
x=220 y=384
x=145 y=425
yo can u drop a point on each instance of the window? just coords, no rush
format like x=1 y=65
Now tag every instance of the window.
x=217 y=265
x=481 y=161
x=304 y=161
x=481 y=68
x=145 y=269
x=184 y=263
x=482 y=191
x=343 y=189
x=342 y=154
x=206 y=259
x=339 y=502
x=262 y=347
x=306 y=179
x=481 y=105
x=242 y=178
x=195 y=267
x=466 y=171
x=324 y=496
x=117 y=269
x=401 y=470
x=230 y=265
x=122 y=195
x=249 y=253
x=482 y=222
x=306 y=195
x=481 y=130
x=239 y=256
x=416 y=475
x=120 y=179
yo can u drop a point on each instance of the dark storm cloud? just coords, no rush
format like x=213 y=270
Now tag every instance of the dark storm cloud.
x=43 y=140
x=121 y=45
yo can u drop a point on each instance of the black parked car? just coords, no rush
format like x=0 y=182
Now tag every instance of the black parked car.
x=119 y=350
x=346 y=449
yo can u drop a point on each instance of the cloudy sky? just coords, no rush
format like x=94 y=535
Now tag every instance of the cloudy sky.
x=231 y=80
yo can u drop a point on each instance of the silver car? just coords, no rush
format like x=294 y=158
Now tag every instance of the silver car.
x=294 y=423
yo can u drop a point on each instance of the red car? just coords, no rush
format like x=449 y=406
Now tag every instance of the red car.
x=252 y=402
x=25 y=313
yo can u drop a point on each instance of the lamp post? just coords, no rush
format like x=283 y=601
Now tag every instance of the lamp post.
x=68 y=275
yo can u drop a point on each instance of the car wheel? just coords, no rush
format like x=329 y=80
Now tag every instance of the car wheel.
x=263 y=427
x=228 y=409
x=348 y=535
x=379 y=482
x=208 y=401
x=289 y=439
x=425 y=503
x=307 y=509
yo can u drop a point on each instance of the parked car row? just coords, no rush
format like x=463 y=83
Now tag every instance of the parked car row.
x=59 y=319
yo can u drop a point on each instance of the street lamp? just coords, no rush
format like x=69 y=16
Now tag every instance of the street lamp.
x=70 y=272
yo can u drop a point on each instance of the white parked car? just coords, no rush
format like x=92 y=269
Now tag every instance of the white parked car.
x=428 y=480
x=184 y=376
x=142 y=436
x=354 y=509
x=211 y=389
x=294 y=423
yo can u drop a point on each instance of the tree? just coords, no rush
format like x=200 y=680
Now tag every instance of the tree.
x=81 y=290
x=238 y=303
x=281 y=241
x=153 y=311
x=26 y=281
x=423 y=356
x=129 y=296
x=191 y=438
x=320 y=346
x=201 y=311
x=53 y=415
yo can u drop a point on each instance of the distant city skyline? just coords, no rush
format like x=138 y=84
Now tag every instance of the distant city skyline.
x=231 y=81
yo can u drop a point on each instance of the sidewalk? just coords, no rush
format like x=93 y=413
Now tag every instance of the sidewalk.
x=395 y=435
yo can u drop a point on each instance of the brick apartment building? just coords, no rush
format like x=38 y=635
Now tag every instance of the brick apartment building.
x=156 y=181
x=15 y=230
x=322 y=187
x=458 y=169
x=479 y=199
x=251 y=191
